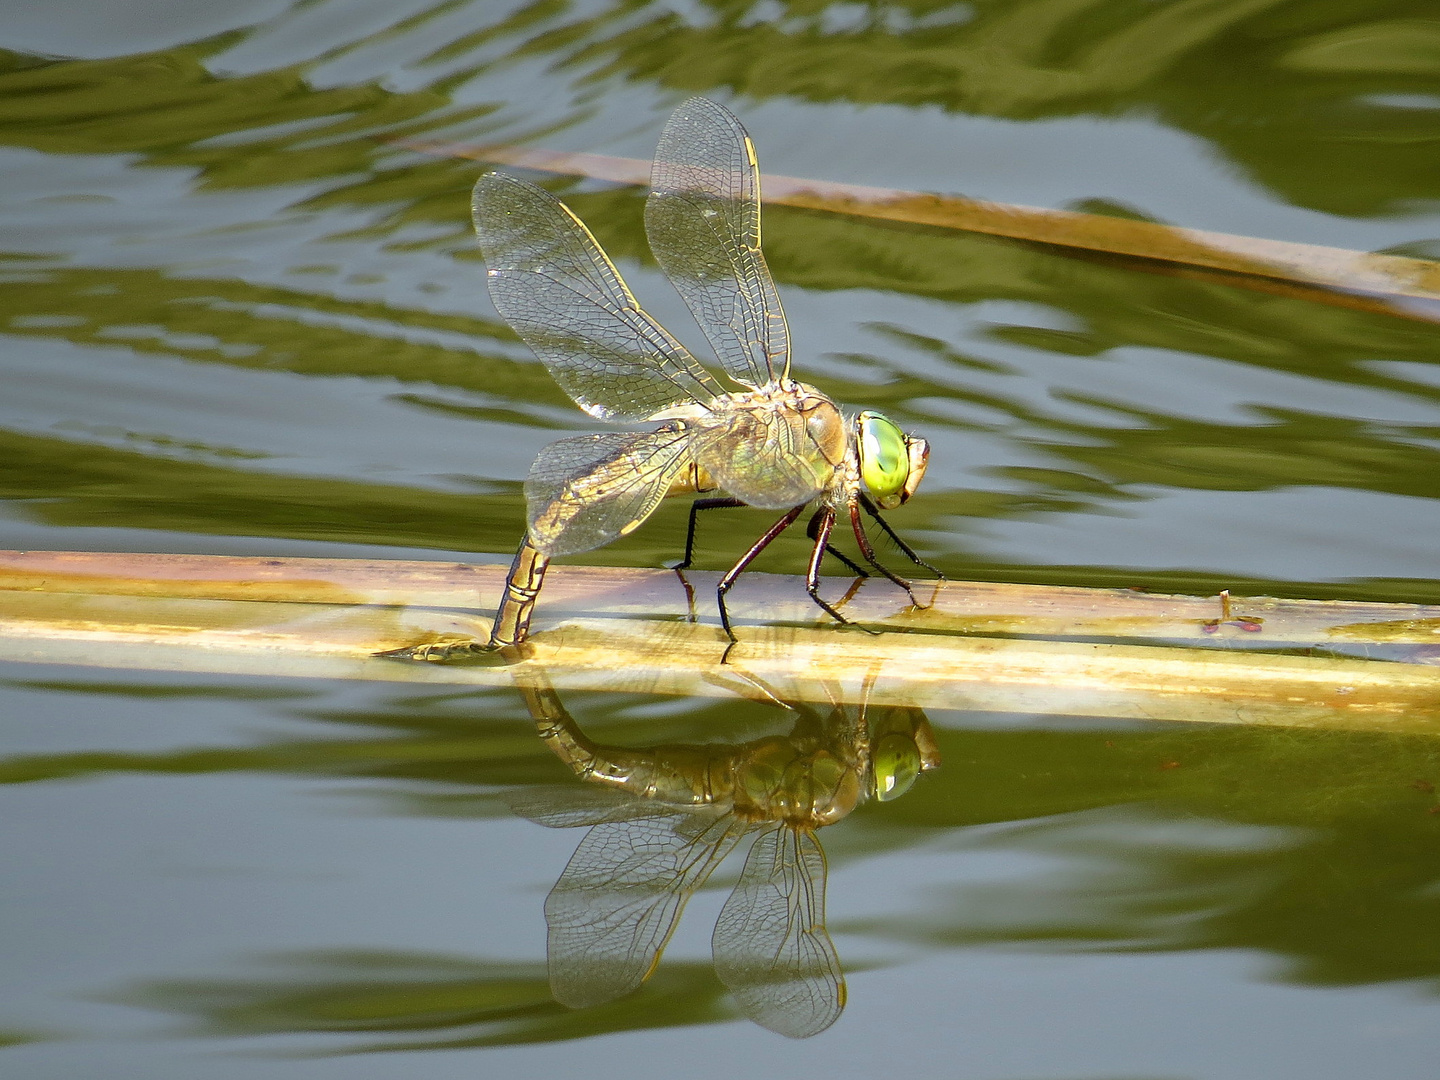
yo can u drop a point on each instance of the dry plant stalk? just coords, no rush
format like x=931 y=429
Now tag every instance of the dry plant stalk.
x=635 y=630
x=1393 y=284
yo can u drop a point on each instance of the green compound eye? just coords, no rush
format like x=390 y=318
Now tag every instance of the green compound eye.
x=896 y=761
x=884 y=458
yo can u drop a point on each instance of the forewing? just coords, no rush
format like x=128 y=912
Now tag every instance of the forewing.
x=764 y=459
x=563 y=296
x=587 y=491
x=770 y=943
x=620 y=897
x=703 y=223
x=568 y=806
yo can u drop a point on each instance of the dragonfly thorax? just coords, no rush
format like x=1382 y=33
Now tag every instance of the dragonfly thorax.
x=824 y=425
x=780 y=782
x=825 y=432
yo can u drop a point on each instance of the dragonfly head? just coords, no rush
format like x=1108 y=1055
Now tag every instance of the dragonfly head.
x=902 y=746
x=895 y=764
x=892 y=463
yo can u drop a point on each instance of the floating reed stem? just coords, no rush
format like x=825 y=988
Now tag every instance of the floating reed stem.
x=995 y=647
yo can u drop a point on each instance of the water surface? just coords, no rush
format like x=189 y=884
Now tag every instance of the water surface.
x=238 y=320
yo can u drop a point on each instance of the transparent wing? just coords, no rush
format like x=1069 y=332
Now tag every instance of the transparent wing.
x=568 y=806
x=584 y=492
x=620 y=897
x=770 y=943
x=703 y=223
x=564 y=297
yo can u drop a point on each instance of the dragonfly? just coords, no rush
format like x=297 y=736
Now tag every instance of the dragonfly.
x=662 y=818
x=770 y=442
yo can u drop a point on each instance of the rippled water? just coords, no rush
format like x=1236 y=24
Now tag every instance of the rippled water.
x=238 y=319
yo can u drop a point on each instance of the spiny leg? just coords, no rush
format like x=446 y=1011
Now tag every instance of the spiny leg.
x=869 y=553
x=718 y=503
x=826 y=521
x=689 y=594
x=812 y=530
x=695 y=508
x=895 y=537
x=745 y=560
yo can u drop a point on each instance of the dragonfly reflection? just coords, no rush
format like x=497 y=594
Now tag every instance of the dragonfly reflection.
x=774 y=443
x=663 y=817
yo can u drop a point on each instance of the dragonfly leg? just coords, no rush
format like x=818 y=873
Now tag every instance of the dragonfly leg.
x=894 y=536
x=689 y=594
x=869 y=552
x=718 y=503
x=745 y=560
x=695 y=508
x=813 y=532
x=823 y=522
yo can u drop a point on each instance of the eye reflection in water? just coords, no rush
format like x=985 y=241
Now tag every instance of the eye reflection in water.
x=663 y=817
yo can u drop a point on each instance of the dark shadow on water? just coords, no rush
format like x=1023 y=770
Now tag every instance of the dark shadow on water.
x=377 y=1002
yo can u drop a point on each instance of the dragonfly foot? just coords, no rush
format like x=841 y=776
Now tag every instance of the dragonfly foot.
x=843 y=621
x=927 y=605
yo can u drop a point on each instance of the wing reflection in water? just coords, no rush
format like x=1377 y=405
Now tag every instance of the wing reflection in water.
x=662 y=818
